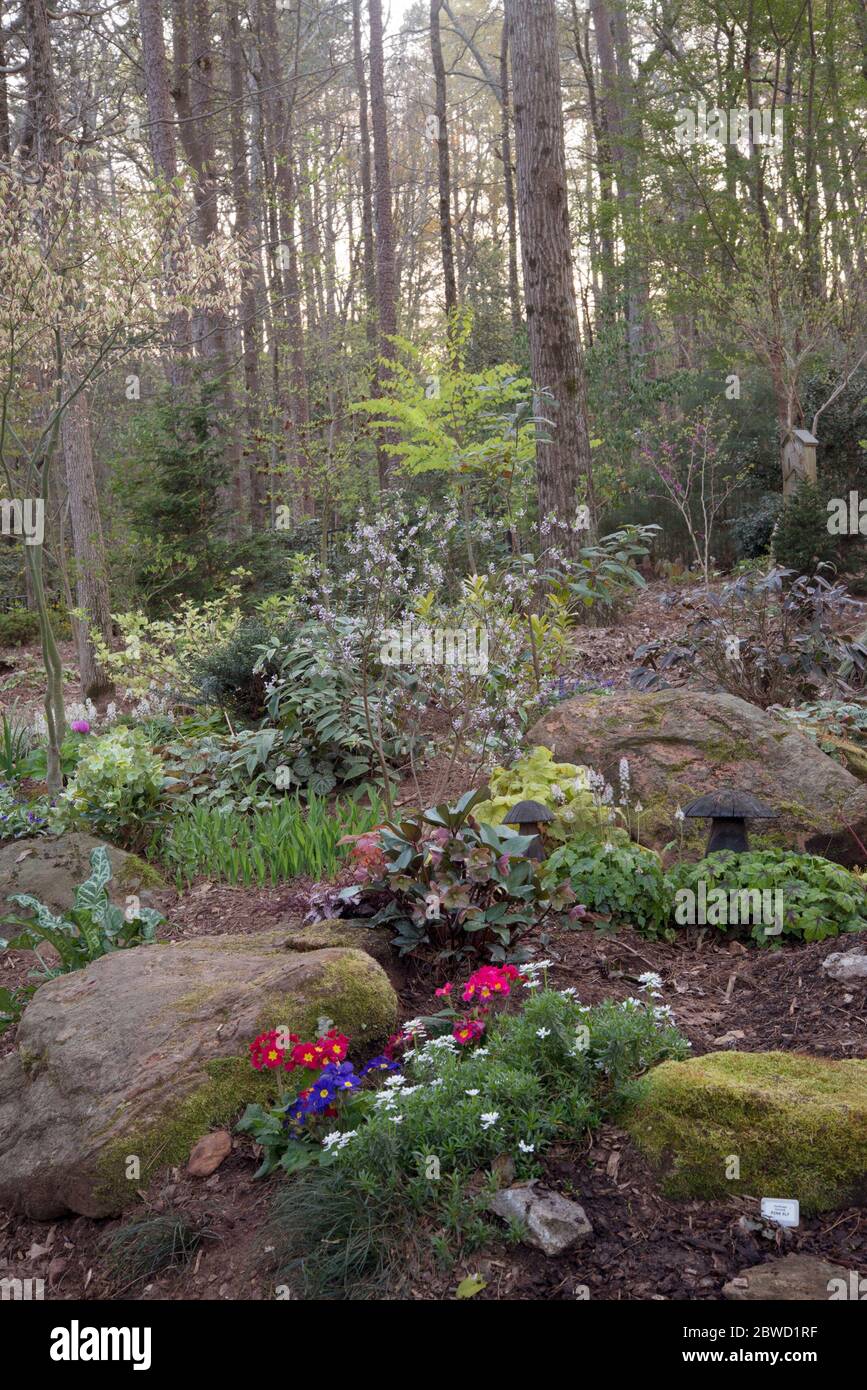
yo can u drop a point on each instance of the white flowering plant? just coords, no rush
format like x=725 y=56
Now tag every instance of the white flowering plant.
x=547 y=1073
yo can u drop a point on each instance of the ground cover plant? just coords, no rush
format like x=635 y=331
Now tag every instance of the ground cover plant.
x=272 y=846
x=553 y=1067
x=816 y=899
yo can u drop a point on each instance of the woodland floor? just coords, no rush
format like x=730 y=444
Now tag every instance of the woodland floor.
x=723 y=995
x=645 y=1246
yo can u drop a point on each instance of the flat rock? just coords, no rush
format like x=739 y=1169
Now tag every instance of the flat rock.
x=846 y=967
x=681 y=744
x=121 y=1067
x=553 y=1222
x=52 y=868
x=209 y=1153
x=792 y=1278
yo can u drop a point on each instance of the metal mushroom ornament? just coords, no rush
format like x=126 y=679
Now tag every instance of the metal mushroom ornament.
x=530 y=816
x=728 y=811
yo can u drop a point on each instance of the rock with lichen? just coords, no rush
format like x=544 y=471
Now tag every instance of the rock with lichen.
x=796 y=1126
x=52 y=868
x=143 y=1052
x=680 y=744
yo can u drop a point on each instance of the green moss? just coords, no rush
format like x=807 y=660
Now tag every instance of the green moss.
x=32 y=1062
x=796 y=1124
x=232 y=1084
x=353 y=992
x=137 y=873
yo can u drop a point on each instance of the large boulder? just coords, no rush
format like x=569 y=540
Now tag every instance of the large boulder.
x=683 y=743
x=141 y=1053
x=757 y=1124
x=52 y=868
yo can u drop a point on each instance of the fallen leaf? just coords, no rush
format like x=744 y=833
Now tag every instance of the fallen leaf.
x=469 y=1287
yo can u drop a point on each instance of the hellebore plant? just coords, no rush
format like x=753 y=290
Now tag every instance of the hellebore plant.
x=300 y=1130
x=457 y=886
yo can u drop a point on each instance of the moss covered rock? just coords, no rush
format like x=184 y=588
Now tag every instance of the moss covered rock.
x=140 y=1054
x=683 y=743
x=796 y=1125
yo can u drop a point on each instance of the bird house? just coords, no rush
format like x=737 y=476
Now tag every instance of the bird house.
x=799 y=460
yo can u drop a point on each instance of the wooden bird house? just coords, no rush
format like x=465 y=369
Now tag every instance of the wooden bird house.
x=799 y=460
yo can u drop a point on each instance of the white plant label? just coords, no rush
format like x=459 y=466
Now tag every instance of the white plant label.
x=786 y=1211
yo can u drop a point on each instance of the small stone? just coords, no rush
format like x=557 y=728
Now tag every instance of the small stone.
x=208 y=1153
x=727 y=1038
x=552 y=1222
x=791 y=1278
x=846 y=967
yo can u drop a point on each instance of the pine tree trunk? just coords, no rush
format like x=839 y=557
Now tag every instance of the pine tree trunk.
x=563 y=447
x=443 y=173
x=386 y=275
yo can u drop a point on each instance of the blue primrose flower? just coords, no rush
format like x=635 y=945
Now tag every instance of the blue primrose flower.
x=379 y=1064
x=341 y=1077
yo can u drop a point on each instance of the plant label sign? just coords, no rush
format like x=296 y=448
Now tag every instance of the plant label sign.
x=786 y=1211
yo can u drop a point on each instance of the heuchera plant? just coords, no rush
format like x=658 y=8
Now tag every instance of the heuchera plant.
x=565 y=788
x=461 y=888
x=300 y=1130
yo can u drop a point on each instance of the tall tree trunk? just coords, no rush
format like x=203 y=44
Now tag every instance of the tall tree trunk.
x=5 y=143
x=91 y=577
x=386 y=277
x=161 y=137
x=74 y=427
x=366 y=178
x=563 y=449
x=509 y=183
x=193 y=92
x=443 y=173
x=251 y=469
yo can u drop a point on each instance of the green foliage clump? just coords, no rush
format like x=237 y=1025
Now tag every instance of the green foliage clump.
x=458 y=886
x=801 y=540
x=116 y=788
x=839 y=727
x=751 y=533
x=819 y=899
x=616 y=878
x=564 y=788
x=230 y=676
x=262 y=847
x=544 y=1074
x=91 y=928
x=18 y=626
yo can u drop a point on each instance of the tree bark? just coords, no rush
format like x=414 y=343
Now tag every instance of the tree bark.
x=443 y=172
x=563 y=448
x=386 y=276
x=161 y=137
x=509 y=184
x=366 y=178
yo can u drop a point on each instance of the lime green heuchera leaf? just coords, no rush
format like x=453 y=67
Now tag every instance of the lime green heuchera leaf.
x=564 y=788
